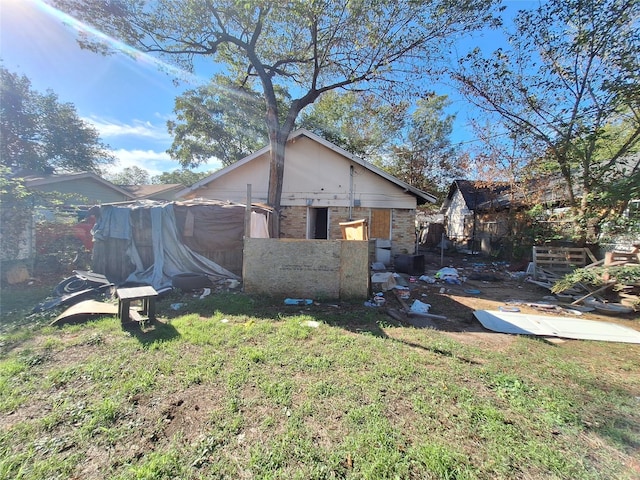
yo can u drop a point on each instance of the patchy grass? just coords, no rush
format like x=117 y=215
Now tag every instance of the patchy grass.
x=235 y=387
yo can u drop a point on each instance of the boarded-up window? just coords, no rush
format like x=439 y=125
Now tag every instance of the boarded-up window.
x=380 y=223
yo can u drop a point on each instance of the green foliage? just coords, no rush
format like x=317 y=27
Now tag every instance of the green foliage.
x=130 y=176
x=359 y=122
x=184 y=176
x=625 y=227
x=38 y=133
x=426 y=159
x=16 y=213
x=218 y=121
x=595 y=276
x=295 y=48
x=567 y=103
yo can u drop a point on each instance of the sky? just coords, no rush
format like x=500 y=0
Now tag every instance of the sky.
x=127 y=100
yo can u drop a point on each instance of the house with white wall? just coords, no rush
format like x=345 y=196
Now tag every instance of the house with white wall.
x=323 y=186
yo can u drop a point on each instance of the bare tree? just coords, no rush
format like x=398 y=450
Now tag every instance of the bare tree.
x=567 y=92
x=305 y=47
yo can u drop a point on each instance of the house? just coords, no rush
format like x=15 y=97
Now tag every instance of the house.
x=478 y=215
x=474 y=212
x=84 y=188
x=56 y=228
x=323 y=186
x=163 y=192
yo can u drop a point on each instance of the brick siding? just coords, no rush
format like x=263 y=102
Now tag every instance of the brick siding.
x=293 y=224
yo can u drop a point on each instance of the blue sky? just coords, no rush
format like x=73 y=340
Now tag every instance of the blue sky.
x=127 y=100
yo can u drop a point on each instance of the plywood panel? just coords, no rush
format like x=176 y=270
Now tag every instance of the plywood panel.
x=380 y=223
x=306 y=268
x=354 y=269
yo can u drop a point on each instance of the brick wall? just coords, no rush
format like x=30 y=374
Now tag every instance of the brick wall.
x=403 y=228
x=293 y=224
x=341 y=214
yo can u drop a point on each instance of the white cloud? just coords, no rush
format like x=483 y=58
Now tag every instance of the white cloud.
x=137 y=128
x=153 y=162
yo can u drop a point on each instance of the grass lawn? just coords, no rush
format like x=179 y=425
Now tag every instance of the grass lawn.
x=242 y=388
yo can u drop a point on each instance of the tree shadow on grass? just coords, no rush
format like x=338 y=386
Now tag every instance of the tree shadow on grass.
x=150 y=332
x=353 y=316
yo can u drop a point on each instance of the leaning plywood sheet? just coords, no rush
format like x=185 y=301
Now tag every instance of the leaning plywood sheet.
x=548 y=326
x=84 y=310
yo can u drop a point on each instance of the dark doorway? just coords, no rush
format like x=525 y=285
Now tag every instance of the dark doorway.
x=318 y=223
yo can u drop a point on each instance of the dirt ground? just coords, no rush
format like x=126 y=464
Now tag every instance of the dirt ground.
x=488 y=285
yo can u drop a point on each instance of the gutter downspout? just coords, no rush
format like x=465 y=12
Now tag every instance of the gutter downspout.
x=351 y=193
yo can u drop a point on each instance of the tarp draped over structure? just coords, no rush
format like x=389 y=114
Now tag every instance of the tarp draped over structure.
x=171 y=256
x=163 y=240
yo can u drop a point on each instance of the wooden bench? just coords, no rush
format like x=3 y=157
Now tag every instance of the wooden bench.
x=146 y=295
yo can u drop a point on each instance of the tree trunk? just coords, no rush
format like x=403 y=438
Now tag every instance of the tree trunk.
x=278 y=143
x=278 y=136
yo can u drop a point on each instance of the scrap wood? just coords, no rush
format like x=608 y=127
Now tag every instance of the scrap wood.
x=426 y=315
x=546 y=285
x=84 y=310
x=549 y=286
x=396 y=315
x=595 y=264
x=590 y=294
x=401 y=317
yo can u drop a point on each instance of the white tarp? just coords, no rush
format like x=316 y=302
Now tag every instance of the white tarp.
x=549 y=326
x=171 y=256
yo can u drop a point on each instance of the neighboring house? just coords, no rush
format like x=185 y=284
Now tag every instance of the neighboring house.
x=75 y=189
x=479 y=214
x=323 y=185
x=475 y=213
x=59 y=228
x=66 y=226
x=161 y=192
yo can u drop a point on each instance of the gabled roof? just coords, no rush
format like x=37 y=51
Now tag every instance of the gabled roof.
x=478 y=195
x=482 y=196
x=35 y=180
x=422 y=197
x=150 y=191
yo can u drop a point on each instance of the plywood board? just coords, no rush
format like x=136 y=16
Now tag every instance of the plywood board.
x=380 y=223
x=306 y=268
x=85 y=310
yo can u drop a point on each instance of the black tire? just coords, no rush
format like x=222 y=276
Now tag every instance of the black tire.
x=190 y=281
x=70 y=285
